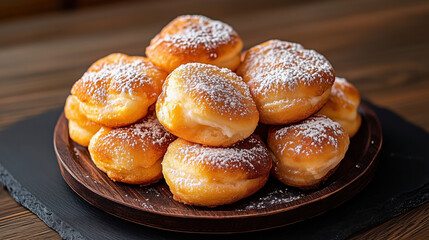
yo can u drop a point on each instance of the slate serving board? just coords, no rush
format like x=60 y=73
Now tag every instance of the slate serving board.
x=29 y=170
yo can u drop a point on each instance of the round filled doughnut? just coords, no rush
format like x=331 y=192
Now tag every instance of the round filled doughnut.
x=206 y=104
x=131 y=154
x=342 y=106
x=81 y=129
x=288 y=82
x=209 y=176
x=117 y=90
x=306 y=153
x=194 y=38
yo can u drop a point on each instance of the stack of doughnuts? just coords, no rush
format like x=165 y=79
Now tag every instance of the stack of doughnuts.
x=214 y=122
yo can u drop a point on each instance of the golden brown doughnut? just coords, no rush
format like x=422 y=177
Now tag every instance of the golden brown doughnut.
x=306 y=153
x=206 y=104
x=342 y=106
x=131 y=154
x=81 y=129
x=208 y=176
x=194 y=38
x=118 y=89
x=288 y=82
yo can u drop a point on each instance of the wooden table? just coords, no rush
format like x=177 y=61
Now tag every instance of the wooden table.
x=382 y=46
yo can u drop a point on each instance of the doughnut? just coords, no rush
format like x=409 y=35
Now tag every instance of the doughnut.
x=81 y=129
x=306 y=153
x=131 y=154
x=288 y=82
x=194 y=38
x=342 y=106
x=118 y=89
x=206 y=104
x=209 y=176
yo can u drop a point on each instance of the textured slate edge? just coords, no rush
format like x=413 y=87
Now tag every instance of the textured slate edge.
x=395 y=206
x=390 y=209
x=26 y=199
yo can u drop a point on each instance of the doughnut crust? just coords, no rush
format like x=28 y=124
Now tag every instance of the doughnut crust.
x=118 y=89
x=208 y=176
x=81 y=129
x=306 y=153
x=194 y=38
x=206 y=104
x=342 y=106
x=288 y=82
x=131 y=154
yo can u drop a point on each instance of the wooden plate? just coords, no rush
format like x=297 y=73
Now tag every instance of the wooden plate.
x=273 y=206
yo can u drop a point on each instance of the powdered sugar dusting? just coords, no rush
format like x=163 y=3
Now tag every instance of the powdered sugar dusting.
x=340 y=80
x=182 y=178
x=197 y=31
x=282 y=66
x=218 y=88
x=338 y=92
x=276 y=197
x=147 y=133
x=120 y=76
x=312 y=135
x=250 y=155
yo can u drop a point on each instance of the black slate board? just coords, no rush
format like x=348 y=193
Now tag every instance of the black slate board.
x=29 y=170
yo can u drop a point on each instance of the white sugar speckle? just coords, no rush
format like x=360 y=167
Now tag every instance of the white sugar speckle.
x=312 y=135
x=146 y=133
x=282 y=66
x=248 y=155
x=121 y=76
x=195 y=31
x=219 y=88
x=152 y=191
x=273 y=198
x=143 y=204
x=338 y=92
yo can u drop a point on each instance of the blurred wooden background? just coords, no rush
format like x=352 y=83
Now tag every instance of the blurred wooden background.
x=382 y=46
x=13 y=9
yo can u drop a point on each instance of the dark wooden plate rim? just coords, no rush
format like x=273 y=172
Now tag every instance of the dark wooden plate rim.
x=368 y=115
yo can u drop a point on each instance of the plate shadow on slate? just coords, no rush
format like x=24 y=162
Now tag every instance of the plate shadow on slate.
x=29 y=170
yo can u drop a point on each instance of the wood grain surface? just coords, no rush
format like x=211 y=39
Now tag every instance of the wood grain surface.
x=381 y=46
